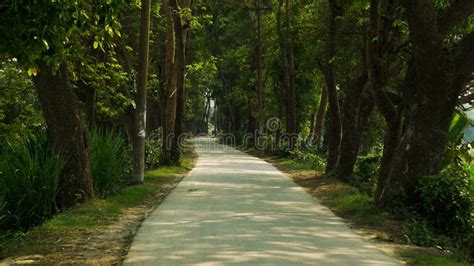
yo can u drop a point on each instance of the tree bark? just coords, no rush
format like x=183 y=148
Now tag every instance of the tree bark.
x=334 y=118
x=260 y=87
x=353 y=119
x=138 y=150
x=435 y=87
x=287 y=54
x=67 y=134
x=321 y=114
x=181 y=39
x=168 y=94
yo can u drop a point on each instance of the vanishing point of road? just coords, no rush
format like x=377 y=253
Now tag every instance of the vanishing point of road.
x=236 y=209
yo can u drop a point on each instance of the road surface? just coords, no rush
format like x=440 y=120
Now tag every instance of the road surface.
x=236 y=209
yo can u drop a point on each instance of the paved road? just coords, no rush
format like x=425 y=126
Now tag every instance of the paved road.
x=235 y=209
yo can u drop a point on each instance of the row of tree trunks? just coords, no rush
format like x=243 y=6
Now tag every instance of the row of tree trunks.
x=289 y=77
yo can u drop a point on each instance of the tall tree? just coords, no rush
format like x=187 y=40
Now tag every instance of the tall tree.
x=140 y=100
x=334 y=116
x=435 y=78
x=284 y=28
x=168 y=92
x=181 y=26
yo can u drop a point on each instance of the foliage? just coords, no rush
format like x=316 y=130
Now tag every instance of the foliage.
x=111 y=166
x=31 y=174
x=19 y=107
x=305 y=156
x=98 y=214
x=153 y=146
x=418 y=232
x=457 y=151
x=365 y=174
x=54 y=31
x=446 y=201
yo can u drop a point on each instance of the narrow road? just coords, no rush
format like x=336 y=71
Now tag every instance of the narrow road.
x=236 y=209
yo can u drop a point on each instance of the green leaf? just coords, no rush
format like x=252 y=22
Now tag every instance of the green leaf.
x=45 y=44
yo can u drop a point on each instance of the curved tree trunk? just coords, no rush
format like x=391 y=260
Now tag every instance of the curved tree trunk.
x=67 y=134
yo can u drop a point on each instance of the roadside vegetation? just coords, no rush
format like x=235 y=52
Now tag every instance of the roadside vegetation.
x=82 y=234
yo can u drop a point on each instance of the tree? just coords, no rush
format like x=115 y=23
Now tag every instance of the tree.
x=435 y=78
x=46 y=52
x=334 y=116
x=140 y=101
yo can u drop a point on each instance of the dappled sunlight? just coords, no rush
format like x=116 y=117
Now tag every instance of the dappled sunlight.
x=243 y=211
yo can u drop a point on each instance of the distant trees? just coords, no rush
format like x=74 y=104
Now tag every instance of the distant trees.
x=338 y=70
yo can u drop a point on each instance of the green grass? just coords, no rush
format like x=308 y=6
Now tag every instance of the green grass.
x=296 y=165
x=419 y=258
x=104 y=212
x=96 y=214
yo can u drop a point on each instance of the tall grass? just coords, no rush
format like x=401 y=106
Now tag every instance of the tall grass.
x=110 y=162
x=31 y=174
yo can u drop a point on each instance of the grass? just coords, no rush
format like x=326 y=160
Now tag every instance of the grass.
x=358 y=209
x=420 y=258
x=95 y=215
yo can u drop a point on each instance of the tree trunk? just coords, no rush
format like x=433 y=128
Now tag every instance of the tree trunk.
x=318 y=127
x=138 y=150
x=260 y=87
x=168 y=94
x=351 y=129
x=334 y=119
x=67 y=134
x=391 y=142
x=287 y=54
x=181 y=39
x=434 y=88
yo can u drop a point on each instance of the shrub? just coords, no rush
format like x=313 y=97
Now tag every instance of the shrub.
x=153 y=147
x=31 y=174
x=418 y=232
x=365 y=174
x=318 y=161
x=446 y=200
x=111 y=165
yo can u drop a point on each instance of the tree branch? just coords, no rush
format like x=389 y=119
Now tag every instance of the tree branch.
x=457 y=13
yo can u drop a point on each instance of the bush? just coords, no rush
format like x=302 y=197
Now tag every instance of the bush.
x=419 y=233
x=366 y=172
x=446 y=201
x=308 y=157
x=153 y=147
x=111 y=165
x=31 y=174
